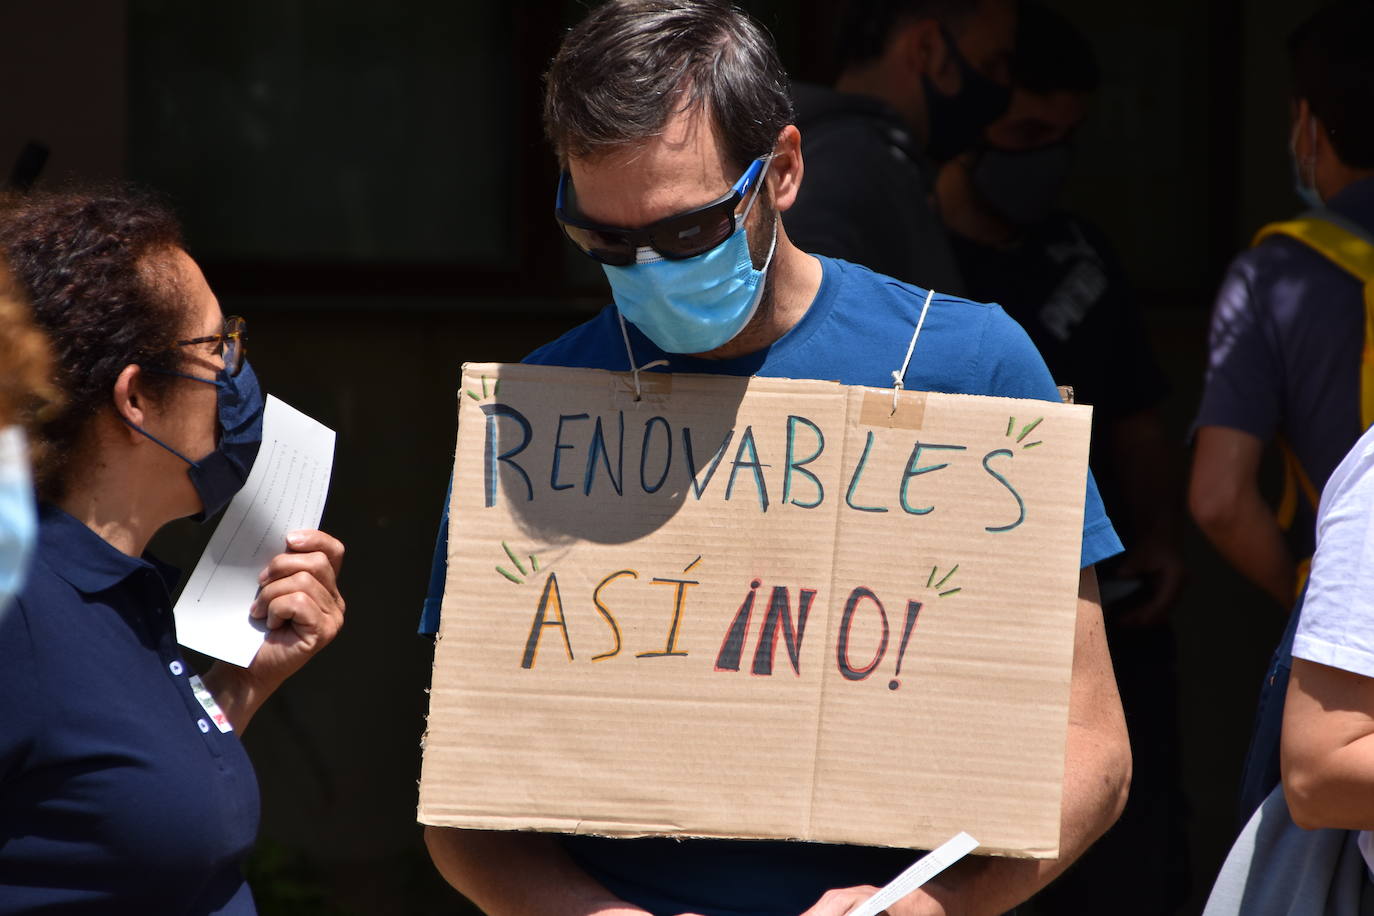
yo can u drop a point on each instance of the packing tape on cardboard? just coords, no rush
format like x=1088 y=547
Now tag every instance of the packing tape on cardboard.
x=877 y=409
x=927 y=867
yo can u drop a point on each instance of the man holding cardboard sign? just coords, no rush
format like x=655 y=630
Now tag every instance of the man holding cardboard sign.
x=599 y=701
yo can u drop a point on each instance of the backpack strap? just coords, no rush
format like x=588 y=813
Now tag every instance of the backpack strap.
x=1350 y=248
x=1333 y=238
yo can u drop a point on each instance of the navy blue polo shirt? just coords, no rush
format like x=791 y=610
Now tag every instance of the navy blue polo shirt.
x=118 y=792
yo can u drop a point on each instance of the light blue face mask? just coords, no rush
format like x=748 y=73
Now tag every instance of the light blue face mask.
x=18 y=523
x=696 y=304
x=1306 y=192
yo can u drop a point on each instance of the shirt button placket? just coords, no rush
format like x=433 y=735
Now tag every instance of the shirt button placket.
x=176 y=668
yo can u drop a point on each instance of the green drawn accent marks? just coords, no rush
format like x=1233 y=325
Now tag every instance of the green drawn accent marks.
x=518 y=580
x=1025 y=431
x=931 y=583
x=491 y=392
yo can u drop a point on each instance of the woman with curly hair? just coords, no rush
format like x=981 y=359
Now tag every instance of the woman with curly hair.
x=123 y=785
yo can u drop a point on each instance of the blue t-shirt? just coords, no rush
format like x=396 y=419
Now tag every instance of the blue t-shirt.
x=856 y=332
x=118 y=793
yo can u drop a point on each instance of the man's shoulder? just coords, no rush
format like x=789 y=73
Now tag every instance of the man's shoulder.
x=1284 y=280
x=880 y=295
x=1282 y=257
x=964 y=338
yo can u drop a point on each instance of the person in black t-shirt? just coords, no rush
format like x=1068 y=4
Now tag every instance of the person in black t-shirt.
x=1057 y=275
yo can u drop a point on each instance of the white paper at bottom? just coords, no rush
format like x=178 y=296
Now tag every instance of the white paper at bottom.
x=927 y=867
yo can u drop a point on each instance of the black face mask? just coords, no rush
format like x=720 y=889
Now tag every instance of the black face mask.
x=1022 y=186
x=956 y=121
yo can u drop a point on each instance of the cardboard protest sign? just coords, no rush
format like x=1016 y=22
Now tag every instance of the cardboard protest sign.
x=756 y=608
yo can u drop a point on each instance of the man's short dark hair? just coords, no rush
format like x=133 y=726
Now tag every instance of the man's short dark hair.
x=1052 y=55
x=628 y=67
x=867 y=25
x=1333 y=69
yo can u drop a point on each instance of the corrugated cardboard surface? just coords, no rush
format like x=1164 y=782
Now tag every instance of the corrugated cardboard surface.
x=552 y=727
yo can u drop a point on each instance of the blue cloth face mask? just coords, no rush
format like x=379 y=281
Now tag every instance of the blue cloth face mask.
x=696 y=304
x=18 y=523
x=223 y=472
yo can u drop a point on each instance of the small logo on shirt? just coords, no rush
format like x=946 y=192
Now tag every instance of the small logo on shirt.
x=207 y=702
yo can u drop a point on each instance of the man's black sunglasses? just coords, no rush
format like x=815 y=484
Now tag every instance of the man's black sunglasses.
x=683 y=235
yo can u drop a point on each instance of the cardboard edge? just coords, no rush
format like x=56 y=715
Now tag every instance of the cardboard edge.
x=626 y=831
x=608 y=379
x=439 y=633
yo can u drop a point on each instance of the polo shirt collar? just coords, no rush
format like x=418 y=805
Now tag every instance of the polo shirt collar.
x=83 y=558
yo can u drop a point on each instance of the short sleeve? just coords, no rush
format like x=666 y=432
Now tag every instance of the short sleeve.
x=1013 y=368
x=1337 y=623
x=438 y=572
x=1244 y=384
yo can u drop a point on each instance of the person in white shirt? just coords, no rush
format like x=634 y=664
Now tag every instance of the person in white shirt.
x=1328 y=720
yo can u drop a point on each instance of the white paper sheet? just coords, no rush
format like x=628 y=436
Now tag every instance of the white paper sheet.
x=285 y=492
x=926 y=867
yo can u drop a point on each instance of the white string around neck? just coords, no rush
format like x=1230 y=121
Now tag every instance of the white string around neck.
x=899 y=374
x=629 y=352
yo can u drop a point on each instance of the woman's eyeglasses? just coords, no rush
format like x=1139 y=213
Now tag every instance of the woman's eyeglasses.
x=683 y=235
x=231 y=343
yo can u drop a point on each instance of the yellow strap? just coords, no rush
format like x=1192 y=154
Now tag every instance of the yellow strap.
x=1336 y=243
x=1367 y=360
x=1303 y=571
x=1296 y=483
x=1354 y=255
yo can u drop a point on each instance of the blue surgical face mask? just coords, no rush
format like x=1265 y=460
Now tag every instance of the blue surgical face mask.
x=696 y=304
x=223 y=472
x=18 y=524
x=1308 y=193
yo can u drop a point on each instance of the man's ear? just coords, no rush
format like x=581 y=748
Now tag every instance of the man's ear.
x=924 y=51
x=129 y=399
x=1302 y=112
x=1317 y=135
x=785 y=172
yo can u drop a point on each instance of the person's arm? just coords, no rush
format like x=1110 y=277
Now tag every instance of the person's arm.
x=1225 y=501
x=301 y=605
x=1143 y=458
x=519 y=874
x=1327 y=749
x=1097 y=776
